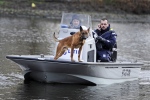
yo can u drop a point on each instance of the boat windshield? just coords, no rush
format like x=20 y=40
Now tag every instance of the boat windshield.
x=68 y=18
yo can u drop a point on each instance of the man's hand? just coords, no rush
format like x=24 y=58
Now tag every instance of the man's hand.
x=99 y=38
x=99 y=27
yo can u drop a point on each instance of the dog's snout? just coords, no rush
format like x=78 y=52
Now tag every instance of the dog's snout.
x=84 y=36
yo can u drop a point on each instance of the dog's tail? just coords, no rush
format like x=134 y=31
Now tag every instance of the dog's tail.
x=55 y=37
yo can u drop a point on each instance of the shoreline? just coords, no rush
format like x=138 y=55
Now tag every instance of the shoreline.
x=113 y=17
x=54 y=10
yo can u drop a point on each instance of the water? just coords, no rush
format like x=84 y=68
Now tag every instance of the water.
x=33 y=36
x=35 y=90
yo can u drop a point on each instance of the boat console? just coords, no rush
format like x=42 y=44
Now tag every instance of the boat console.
x=88 y=53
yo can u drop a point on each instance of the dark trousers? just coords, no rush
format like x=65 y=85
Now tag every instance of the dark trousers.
x=104 y=55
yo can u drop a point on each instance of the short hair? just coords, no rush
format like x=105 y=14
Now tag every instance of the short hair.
x=104 y=19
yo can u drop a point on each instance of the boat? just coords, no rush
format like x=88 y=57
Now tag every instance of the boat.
x=44 y=68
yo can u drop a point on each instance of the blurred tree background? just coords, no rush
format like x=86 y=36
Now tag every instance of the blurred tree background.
x=56 y=7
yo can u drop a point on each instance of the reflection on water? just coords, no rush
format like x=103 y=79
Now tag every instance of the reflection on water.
x=79 y=92
x=33 y=36
x=122 y=91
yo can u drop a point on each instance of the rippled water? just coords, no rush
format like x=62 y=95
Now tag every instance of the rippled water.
x=33 y=36
x=14 y=88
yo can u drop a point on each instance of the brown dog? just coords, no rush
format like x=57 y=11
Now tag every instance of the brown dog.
x=76 y=40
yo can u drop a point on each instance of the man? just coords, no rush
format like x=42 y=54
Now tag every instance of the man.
x=105 y=41
x=75 y=22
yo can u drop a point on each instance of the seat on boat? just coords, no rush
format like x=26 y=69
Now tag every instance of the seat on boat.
x=114 y=53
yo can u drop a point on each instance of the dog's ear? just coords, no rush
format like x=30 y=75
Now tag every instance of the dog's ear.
x=81 y=29
x=88 y=29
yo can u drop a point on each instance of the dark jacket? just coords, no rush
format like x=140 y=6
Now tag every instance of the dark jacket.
x=109 y=35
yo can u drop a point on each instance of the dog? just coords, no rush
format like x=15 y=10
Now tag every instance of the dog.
x=76 y=40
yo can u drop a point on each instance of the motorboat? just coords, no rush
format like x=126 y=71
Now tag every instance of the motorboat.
x=44 y=68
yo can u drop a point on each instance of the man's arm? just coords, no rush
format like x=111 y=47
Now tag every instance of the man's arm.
x=109 y=42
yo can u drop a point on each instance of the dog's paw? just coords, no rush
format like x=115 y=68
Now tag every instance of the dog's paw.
x=80 y=60
x=73 y=60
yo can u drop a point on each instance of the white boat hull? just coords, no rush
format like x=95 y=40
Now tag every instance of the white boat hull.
x=63 y=71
